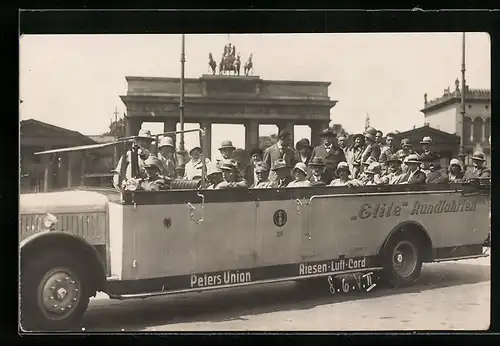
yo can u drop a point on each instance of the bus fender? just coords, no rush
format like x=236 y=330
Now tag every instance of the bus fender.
x=417 y=230
x=44 y=241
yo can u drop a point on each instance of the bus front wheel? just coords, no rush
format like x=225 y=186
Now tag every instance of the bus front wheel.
x=54 y=292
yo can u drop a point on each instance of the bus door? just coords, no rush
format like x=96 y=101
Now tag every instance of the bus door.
x=280 y=225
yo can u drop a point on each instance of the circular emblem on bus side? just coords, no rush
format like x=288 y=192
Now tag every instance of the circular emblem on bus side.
x=279 y=218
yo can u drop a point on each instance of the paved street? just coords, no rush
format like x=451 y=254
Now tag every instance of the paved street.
x=449 y=295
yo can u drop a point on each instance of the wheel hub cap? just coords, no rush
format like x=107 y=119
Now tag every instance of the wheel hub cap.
x=59 y=294
x=404 y=259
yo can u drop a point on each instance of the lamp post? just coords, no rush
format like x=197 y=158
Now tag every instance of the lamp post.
x=462 y=153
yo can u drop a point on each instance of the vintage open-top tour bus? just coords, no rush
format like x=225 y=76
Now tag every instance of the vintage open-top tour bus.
x=137 y=244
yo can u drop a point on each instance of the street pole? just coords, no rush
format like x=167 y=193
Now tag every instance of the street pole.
x=462 y=154
x=181 y=105
x=115 y=149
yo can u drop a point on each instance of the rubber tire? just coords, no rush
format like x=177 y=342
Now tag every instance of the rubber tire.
x=32 y=273
x=393 y=279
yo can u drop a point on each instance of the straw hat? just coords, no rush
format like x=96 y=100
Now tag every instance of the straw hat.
x=369 y=161
x=229 y=165
x=227 y=145
x=166 y=142
x=213 y=169
x=358 y=135
x=478 y=156
x=261 y=167
x=317 y=162
x=303 y=143
x=194 y=148
x=327 y=133
x=394 y=158
x=300 y=166
x=405 y=142
x=280 y=164
x=145 y=134
x=427 y=140
x=413 y=158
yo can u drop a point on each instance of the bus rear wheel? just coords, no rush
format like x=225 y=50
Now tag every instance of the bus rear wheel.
x=54 y=293
x=402 y=260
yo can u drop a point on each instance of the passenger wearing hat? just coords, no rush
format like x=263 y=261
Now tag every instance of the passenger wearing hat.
x=262 y=174
x=414 y=174
x=372 y=148
x=479 y=170
x=226 y=150
x=304 y=151
x=387 y=150
x=330 y=152
x=354 y=155
x=426 y=159
x=282 y=175
x=456 y=174
x=372 y=175
x=256 y=156
x=194 y=167
x=299 y=172
x=318 y=167
x=243 y=164
x=141 y=145
x=279 y=151
x=394 y=171
x=406 y=149
x=232 y=176
x=343 y=175
x=428 y=148
x=153 y=181
x=167 y=156
x=214 y=176
x=436 y=174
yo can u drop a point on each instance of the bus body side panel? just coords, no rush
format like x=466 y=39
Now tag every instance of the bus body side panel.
x=359 y=225
x=226 y=239
x=158 y=240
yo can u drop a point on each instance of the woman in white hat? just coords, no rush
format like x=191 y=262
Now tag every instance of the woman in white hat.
x=214 y=176
x=194 y=167
x=342 y=172
x=455 y=175
x=167 y=157
x=299 y=172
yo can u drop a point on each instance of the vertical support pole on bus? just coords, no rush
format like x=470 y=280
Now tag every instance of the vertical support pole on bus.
x=203 y=166
x=82 y=169
x=48 y=172
x=69 y=168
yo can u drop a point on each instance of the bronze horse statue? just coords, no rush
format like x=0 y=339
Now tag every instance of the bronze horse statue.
x=230 y=63
x=248 y=65
x=212 y=63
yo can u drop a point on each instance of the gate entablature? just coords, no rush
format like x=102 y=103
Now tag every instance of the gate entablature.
x=247 y=100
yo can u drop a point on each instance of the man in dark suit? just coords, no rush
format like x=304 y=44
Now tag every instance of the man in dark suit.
x=279 y=151
x=330 y=152
x=414 y=174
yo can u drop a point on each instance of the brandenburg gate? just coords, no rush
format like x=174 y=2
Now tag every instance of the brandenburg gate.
x=228 y=99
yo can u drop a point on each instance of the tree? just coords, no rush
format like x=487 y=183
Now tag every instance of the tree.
x=116 y=128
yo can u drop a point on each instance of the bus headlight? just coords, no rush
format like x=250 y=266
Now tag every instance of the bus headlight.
x=50 y=221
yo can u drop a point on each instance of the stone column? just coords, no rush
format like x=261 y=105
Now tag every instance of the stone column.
x=472 y=132
x=70 y=164
x=251 y=135
x=132 y=126
x=288 y=125
x=316 y=127
x=170 y=125
x=207 y=140
x=484 y=132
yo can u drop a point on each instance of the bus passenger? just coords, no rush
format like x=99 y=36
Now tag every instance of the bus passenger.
x=372 y=148
x=214 y=176
x=279 y=151
x=330 y=152
x=226 y=151
x=167 y=157
x=406 y=149
x=428 y=148
x=255 y=158
x=342 y=174
x=318 y=172
x=299 y=172
x=180 y=171
x=394 y=172
x=194 y=166
x=143 y=147
x=373 y=175
x=388 y=150
x=455 y=175
x=436 y=174
x=282 y=175
x=479 y=170
x=262 y=174
x=153 y=180
x=354 y=154
x=342 y=142
x=414 y=174
x=232 y=176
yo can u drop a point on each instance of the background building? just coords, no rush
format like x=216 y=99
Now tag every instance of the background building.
x=444 y=113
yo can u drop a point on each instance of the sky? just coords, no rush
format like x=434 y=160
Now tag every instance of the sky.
x=74 y=81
